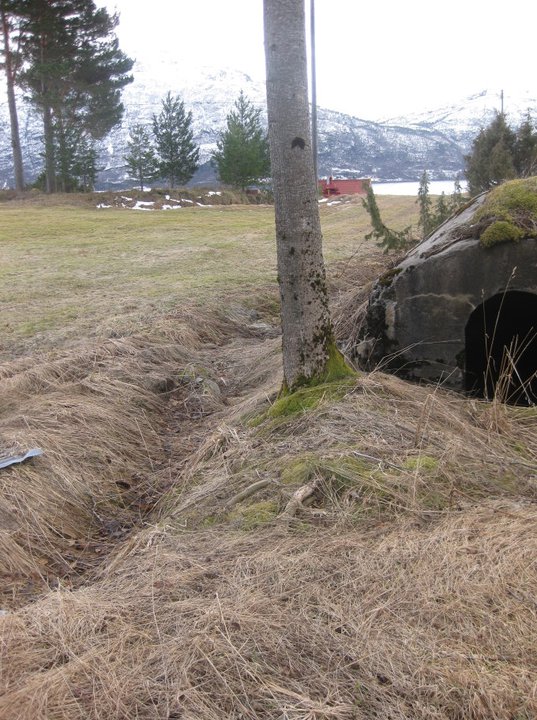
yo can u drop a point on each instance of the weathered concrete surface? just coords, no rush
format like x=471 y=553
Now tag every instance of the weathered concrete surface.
x=419 y=310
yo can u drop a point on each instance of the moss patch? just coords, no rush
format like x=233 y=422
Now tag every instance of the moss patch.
x=299 y=470
x=421 y=462
x=307 y=398
x=499 y=232
x=509 y=213
x=255 y=515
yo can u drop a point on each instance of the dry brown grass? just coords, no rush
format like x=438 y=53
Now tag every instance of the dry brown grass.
x=403 y=622
x=172 y=583
x=99 y=415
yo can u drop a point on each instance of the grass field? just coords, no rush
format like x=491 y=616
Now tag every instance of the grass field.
x=70 y=273
x=180 y=550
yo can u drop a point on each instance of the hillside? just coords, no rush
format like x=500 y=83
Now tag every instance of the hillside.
x=395 y=149
x=182 y=550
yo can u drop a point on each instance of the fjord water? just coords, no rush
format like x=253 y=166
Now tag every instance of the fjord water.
x=436 y=187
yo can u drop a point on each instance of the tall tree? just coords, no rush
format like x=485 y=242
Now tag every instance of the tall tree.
x=11 y=61
x=426 y=220
x=142 y=163
x=75 y=73
x=442 y=210
x=242 y=155
x=310 y=354
x=174 y=137
x=525 y=148
x=456 y=199
x=491 y=158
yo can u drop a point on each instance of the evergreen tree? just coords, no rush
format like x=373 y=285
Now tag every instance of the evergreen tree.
x=174 y=138
x=386 y=238
x=442 y=211
x=242 y=155
x=74 y=74
x=142 y=163
x=83 y=166
x=491 y=159
x=525 y=148
x=426 y=220
x=456 y=199
x=11 y=65
x=75 y=160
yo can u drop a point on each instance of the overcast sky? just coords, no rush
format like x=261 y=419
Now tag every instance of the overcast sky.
x=375 y=58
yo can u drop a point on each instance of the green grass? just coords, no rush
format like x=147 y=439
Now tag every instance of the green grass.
x=71 y=272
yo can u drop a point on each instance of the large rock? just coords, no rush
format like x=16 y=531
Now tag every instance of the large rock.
x=448 y=310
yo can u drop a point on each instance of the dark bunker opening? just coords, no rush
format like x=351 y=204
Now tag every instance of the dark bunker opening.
x=501 y=349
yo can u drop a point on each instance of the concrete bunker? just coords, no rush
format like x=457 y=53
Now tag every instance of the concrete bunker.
x=460 y=309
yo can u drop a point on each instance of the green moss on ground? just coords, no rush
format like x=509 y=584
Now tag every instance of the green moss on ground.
x=421 y=462
x=307 y=398
x=255 y=515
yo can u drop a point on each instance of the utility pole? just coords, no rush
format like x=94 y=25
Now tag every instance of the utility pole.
x=313 y=93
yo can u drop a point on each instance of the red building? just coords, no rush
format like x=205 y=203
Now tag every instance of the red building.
x=333 y=187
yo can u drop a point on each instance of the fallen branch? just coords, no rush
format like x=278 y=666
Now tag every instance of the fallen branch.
x=247 y=492
x=298 y=498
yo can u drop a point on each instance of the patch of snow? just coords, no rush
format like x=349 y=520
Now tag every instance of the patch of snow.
x=185 y=200
x=172 y=207
x=214 y=192
x=335 y=202
x=202 y=205
x=323 y=200
x=124 y=197
x=143 y=206
x=102 y=206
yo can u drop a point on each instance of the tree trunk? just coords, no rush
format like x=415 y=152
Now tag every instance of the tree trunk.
x=13 y=118
x=48 y=132
x=309 y=351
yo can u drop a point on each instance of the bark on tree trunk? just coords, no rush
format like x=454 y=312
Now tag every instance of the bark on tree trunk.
x=13 y=118
x=48 y=132
x=309 y=351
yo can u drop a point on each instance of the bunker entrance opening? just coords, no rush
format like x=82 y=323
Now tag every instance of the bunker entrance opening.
x=501 y=349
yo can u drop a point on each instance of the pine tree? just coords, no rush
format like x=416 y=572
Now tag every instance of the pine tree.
x=525 y=148
x=426 y=220
x=11 y=65
x=386 y=238
x=491 y=159
x=142 y=163
x=83 y=167
x=242 y=155
x=174 y=138
x=74 y=73
x=442 y=211
x=456 y=199
x=76 y=160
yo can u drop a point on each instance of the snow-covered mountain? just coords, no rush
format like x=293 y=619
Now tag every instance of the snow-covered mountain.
x=394 y=149
x=462 y=121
